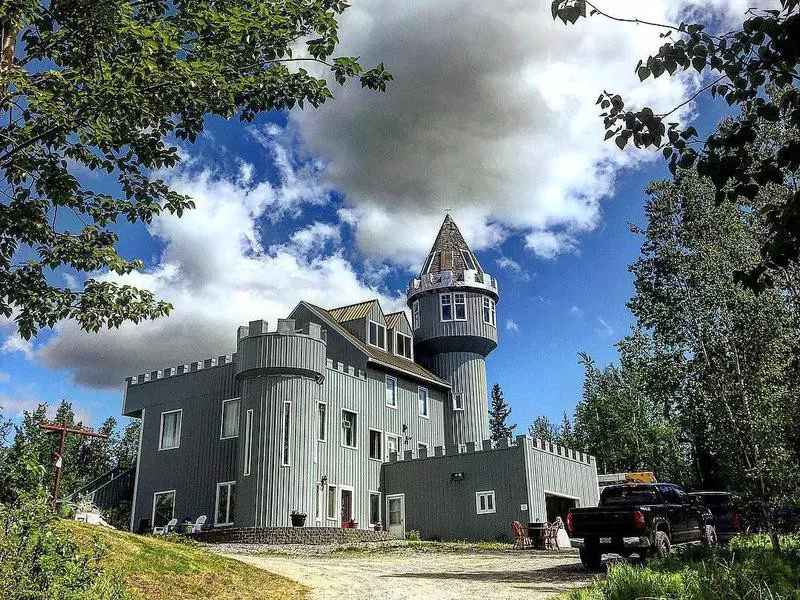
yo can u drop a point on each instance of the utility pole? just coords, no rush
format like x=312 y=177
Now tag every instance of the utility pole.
x=64 y=430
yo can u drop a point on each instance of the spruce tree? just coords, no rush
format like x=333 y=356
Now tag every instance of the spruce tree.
x=498 y=415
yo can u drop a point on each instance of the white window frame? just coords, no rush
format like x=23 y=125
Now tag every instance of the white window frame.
x=429 y=263
x=467 y=254
x=415 y=316
x=161 y=429
x=286 y=435
x=222 y=435
x=324 y=430
x=369 y=507
x=369 y=449
x=427 y=447
x=442 y=305
x=427 y=413
x=153 y=513
x=341 y=428
x=397 y=335
x=227 y=508
x=456 y=303
x=394 y=406
x=377 y=324
x=345 y=488
x=455 y=405
x=386 y=452
x=248 y=441
x=485 y=494
x=490 y=304
x=336 y=503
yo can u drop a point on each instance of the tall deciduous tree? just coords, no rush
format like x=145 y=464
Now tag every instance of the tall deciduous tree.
x=499 y=412
x=105 y=85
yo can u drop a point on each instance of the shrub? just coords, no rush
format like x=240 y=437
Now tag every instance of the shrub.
x=413 y=536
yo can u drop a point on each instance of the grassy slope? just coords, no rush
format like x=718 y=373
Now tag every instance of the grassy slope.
x=164 y=570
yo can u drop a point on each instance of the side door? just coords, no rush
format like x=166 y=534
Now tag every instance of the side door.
x=396 y=515
x=675 y=512
x=694 y=524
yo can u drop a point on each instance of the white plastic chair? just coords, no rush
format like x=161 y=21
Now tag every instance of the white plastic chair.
x=166 y=528
x=198 y=524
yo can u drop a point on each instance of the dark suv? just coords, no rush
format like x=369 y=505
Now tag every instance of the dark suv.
x=726 y=521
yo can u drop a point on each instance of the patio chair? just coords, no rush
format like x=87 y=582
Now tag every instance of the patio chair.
x=166 y=529
x=551 y=537
x=521 y=541
x=198 y=524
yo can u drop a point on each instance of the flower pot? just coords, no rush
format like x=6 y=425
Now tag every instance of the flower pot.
x=298 y=520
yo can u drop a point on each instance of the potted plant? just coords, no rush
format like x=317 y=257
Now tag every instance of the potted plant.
x=378 y=527
x=298 y=518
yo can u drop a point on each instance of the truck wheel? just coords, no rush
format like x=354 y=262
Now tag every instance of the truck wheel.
x=591 y=559
x=662 y=545
x=709 y=536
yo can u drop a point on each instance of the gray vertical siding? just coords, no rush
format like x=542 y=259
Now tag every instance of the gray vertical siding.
x=471 y=335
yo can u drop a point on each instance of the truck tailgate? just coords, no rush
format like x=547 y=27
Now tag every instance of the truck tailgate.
x=605 y=522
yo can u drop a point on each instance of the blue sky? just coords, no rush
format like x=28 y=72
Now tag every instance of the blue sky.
x=341 y=204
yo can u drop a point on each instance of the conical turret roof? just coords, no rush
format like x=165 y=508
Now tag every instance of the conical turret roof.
x=450 y=252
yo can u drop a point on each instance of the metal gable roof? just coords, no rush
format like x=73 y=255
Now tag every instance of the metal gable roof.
x=351 y=312
x=379 y=356
x=392 y=319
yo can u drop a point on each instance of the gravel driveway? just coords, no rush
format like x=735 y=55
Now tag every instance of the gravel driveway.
x=401 y=573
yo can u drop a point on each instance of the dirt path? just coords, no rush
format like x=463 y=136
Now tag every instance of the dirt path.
x=463 y=576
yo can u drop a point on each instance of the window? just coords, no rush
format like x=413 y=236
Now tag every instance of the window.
x=320 y=507
x=428 y=262
x=349 y=423
x=230 y=418
x=375 y=444
x=484 y=502
x=332 y=502
x=489 y=312
x=446 y=260
x=248 y=441
x=163 y=508
x=170 y=435
x=322 y=421
x=391 y=392
x=226 y=497
x=377 y=335
x=422 y=446
x=415 y=314
x=446 y=307
x=458 y=401
x=287 y=422
x=393 y=445
x=403 y=346
x=460 y=301
x=422 y=396
x=468 y=262
x=374 y=508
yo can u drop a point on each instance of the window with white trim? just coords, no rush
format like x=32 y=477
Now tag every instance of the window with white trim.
x=489 y=316
x=422 y=401
x=484 y=502
x=349 y=425
x=468 y=262
x=415 y=314
x=391 y=392
x=322 y=422
x=377 y=335
x=403 y=345
x=163 y=508
x=428 y=263
x=374 y=508
x=287 y=439
x=226 y=499
x=230 y=419
x=331 y=504
x=248 y=441
x=393 y=445
x=460 y=302
x=169 y=436
x=375 y=444
x=458 y=401
x=423 y=446
x=446 y=307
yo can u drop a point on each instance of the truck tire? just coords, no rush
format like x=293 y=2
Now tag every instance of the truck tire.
x=591 y=559
x=709 y=536
x=662 y=545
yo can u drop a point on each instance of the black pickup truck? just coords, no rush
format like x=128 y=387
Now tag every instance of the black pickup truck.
x=642 y=518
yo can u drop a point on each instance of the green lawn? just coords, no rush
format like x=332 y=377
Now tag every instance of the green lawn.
x=160 y=569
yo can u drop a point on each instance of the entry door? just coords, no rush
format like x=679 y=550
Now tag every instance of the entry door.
x=396 y=515
x=347 y=506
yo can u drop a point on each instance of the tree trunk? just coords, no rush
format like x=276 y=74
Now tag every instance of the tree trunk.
x=773 y=536
x=8 y=44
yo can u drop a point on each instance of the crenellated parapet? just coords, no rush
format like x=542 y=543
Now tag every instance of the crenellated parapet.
x=499 y=446
x=190 y=367
x=467 y=279
x=284 y=351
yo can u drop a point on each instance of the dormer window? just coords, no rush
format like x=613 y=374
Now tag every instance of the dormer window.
x=403 y=345
x=467 y=256
x=446 y=260
x=428 y=263
x=377 y=335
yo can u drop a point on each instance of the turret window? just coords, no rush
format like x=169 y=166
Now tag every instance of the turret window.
x=428 y=263
x=377 y=335
x=489 y=316
x=460 y=300
x=446 y=260
x=470 y=264
x=458 y=401
x=415 y=314
x=446 y=306
x=403 y=345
